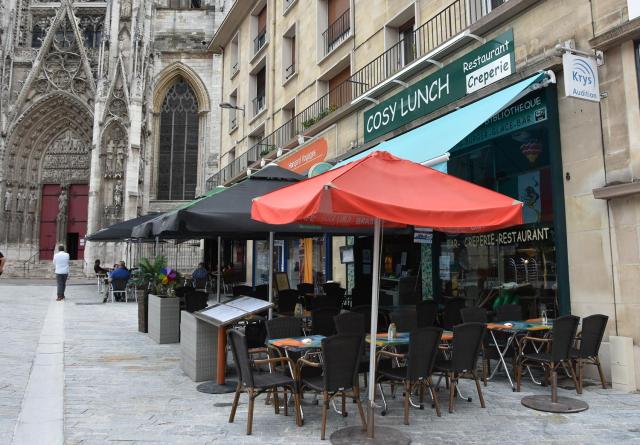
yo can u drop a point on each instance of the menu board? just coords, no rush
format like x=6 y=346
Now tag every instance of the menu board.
x=237 y=309
x=249 y=304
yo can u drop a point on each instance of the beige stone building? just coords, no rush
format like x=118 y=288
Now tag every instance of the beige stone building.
x=308 y=81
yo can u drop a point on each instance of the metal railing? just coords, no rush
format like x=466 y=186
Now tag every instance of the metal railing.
x=233 y=123
x=26 y=264
x=182 y=256
x=259 y=41
x=445 y=25
x=258 y=103
x=336 y=32
x=290 y=71
x=235 y=68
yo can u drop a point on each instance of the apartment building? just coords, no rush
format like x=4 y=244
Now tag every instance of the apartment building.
x=311 y=81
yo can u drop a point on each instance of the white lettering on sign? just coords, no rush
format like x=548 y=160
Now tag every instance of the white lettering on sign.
x=488 y=74
x=503 y=238
x=413 y=101
x=580 y=77
x=486 y=57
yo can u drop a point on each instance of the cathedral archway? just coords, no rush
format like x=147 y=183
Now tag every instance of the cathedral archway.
x=46 y=175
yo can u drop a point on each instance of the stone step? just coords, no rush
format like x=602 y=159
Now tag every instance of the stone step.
x=40 y=269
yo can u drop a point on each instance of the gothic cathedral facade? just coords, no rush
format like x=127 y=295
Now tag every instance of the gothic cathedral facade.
x=108 y=110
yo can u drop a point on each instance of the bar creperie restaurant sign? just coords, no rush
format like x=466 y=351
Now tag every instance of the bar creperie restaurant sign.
x=479 y=68
x=302 y=160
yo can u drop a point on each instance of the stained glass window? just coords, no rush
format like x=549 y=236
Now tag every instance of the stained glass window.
x=178 y=154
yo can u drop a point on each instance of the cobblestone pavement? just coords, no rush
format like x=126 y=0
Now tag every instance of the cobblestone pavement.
x=121 y=387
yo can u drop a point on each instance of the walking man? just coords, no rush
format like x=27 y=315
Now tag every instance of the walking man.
x=61 y=263
x=2 y=261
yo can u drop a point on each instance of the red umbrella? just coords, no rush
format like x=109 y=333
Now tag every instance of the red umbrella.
x=383 y=188
x=394 y=190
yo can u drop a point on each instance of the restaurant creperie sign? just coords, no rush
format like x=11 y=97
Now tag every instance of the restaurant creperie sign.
x=303 y=159
x=481 y=67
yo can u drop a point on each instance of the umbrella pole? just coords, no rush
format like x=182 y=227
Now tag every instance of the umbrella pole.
x=375 y=284
x=219 y=269
x=270 y=274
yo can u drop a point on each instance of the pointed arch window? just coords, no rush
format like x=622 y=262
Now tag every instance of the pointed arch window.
x=178 y=151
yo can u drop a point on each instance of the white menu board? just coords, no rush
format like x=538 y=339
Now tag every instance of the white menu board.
x=223 y=313
x=249 y=304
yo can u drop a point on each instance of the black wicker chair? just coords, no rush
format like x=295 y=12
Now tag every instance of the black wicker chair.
x=451 y=313
x=406 y=320
x=423 y=350
x=330 y=287
x=508 y=312
x=287 y=300
x=427 y=312
x=340 y=361
x=360 y=296
x=557 y=354
x=242 y=290
x=194 y=300
x=254 y=382
x=593 y=328
x=262 y=292
x=201 y=284
x=306 y=288
x=474 y=315
x=383 y=321
x=463 y=357
x=283 y=327
x=322 y=321
x=353 y=323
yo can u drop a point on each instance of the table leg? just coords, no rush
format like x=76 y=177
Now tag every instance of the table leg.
x=222 y=355
x=501 y=354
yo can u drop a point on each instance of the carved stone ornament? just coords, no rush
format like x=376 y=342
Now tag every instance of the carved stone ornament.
x=67 y=160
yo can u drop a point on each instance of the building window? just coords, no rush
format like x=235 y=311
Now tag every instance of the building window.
x=476 y=9
x=340 y=89
x=260 y=38
x=92 y=31
x=233 y=112
x=235 y=55
x=408 y=43
x=338 y=24
x=259 y=100
x=39 y=31
x=178 y=152
x=185 y=4
x=289 y=53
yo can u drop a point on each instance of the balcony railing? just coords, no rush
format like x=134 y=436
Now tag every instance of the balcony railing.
x=233 y=123
x=290 y=71
x=445 y=25
x=336 y=32
x=235 y=68
x=258 y=104
x=259 y=41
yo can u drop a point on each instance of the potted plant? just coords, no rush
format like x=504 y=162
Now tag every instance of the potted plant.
x=163 y=316
x=141 y=284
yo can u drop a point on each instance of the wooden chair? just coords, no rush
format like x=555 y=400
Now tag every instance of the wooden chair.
x=557 y=352
x=593 y=328
x=340 y=362
x=420 y=360
x=255 y=382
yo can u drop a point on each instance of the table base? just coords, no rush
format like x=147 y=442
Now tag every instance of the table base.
x=355 y=435
x=566 y=405
x=213 y=388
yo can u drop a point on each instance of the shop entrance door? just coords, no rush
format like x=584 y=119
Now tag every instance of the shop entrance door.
x=48 y=215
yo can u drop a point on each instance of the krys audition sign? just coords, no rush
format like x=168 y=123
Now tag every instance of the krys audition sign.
x=485 y=65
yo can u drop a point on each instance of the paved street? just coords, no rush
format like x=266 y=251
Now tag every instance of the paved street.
x=121 y=387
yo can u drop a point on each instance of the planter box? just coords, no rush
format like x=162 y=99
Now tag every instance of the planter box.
x=198 y=348
x=143 y=311
x=164 y=319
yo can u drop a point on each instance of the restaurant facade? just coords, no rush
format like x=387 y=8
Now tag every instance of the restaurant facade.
x=473 y=88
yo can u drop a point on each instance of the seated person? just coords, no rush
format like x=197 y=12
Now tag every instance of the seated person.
x=119 y=272
x=99 y=270
x=200 y=272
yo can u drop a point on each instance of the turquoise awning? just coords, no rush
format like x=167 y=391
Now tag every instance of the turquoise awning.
x=436 y=138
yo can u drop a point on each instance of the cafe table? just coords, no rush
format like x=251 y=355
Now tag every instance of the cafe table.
x=513 y=329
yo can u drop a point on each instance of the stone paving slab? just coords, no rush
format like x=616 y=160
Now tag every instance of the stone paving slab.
x=121 y=387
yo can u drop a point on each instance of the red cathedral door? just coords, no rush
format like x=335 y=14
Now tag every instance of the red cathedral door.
x=48 y=215
x=77 y=220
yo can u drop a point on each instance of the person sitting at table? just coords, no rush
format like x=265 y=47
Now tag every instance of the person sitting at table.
x=99 y=270
x=200 y=276
x=119 y=272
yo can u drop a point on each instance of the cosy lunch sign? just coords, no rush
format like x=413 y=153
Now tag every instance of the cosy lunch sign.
x=481 y=67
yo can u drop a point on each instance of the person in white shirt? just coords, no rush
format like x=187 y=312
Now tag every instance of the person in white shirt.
x=61 y=263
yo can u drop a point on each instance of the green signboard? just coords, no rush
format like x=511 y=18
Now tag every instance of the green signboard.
x=483 y=66
x=515 y=117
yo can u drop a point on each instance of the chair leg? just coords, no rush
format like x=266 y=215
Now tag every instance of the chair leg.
x=296 y=399
x=477 y=380
x=452 y=392
x=485 y=370
x=344 y=404
x=276 y=401
x=234 y=406
x=356 y=392
x=434 y=396
x=286 y=402
x=421 y=393
x=407 y=394
x=575 y=380
x=325 y=409
x=518 y=375
x=602 y=379
x=250 y=413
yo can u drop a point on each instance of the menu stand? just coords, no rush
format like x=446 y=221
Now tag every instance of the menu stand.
x=222 y=315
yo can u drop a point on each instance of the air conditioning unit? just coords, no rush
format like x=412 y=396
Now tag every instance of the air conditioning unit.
x=623 y=373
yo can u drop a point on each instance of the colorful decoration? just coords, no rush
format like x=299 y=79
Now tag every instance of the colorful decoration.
x=531 y=150
x=167 y=275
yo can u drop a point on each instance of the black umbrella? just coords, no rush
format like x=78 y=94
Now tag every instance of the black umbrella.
x=120 y=231
x=227 y=212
